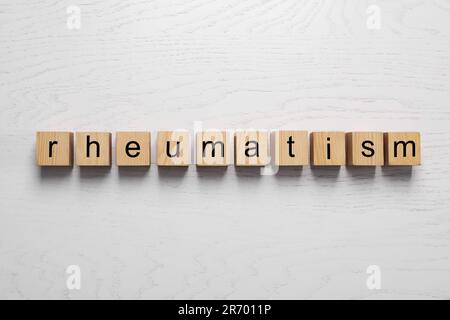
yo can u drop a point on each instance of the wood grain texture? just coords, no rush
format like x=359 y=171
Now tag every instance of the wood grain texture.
x=54 y=148
x=212 y=149
x=93 y=148
x=242 y=233
x=291 y=148
x=251 y=148
x=365 y=148
x=327 y=148
x=132 y=149
x=402 y=148
x=173 y=149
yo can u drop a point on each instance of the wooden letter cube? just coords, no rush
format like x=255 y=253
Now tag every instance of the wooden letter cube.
x=251 y=148
x=365 y=148
x=212 y=148
x=133 y=148
x=173 y=148
x=93 y=148
x=327 y=148
x=54 y=148
x=291 y=148
x=402 y=148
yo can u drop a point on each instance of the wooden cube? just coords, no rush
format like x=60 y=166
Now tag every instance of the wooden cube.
x=54 y=148
x=212 y=148
x=365 y=148
x=132 y=148
x=327 y=148
x=93 y=148
x=251 y=148
x=402 y=148
x=291 y=148
x=173 y=148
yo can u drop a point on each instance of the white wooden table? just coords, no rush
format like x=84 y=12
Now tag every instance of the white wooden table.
x=313 y=65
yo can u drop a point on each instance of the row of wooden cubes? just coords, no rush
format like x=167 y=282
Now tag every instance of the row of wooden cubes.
x=251 y=148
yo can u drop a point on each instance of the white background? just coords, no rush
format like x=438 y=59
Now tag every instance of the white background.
x=137 y=65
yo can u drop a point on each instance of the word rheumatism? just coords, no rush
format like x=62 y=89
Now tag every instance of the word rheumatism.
x=251 y=148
